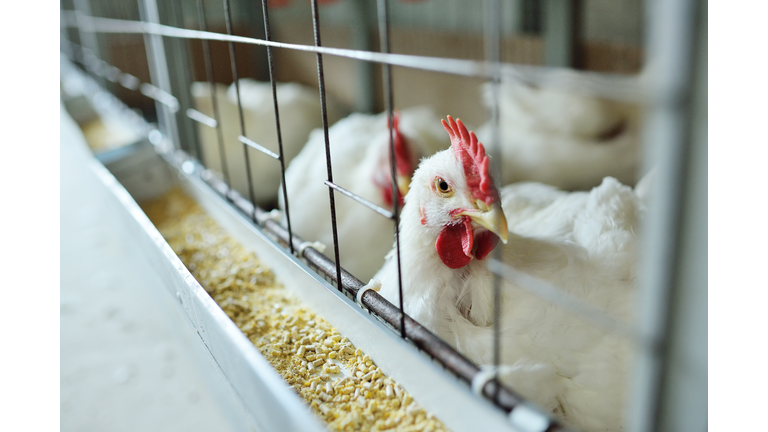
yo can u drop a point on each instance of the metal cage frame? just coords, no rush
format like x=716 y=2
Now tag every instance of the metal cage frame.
x=670 y=91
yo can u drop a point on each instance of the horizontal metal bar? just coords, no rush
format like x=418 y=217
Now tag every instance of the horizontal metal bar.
x=566 y=301
x=202 y=118
x=258 y=147
x=160 y=95
x=626 y=88
x=386 y=213
x=129 y=81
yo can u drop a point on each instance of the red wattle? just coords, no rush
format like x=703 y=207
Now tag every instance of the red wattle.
x=485 y=242
x=454 y=244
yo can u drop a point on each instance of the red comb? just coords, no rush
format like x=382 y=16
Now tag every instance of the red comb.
x=471 y=154
x=402 y=150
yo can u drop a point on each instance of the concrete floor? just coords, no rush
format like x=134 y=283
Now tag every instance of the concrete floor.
x=128 y=361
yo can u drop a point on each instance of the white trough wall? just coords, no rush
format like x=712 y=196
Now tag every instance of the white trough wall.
x=271 y=404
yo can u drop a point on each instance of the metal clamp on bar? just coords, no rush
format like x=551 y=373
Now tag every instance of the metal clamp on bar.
x=481 y=379
x=374 y=284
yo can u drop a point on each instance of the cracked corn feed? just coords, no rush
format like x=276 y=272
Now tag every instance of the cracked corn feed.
x=339 y=382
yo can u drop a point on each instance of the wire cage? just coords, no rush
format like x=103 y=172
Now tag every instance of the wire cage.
x=372 y=57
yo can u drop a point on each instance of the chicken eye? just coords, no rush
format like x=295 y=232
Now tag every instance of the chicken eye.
x=443 y=188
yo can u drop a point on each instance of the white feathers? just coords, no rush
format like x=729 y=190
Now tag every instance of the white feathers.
x=300 y=113
x=562 y=139
x=359 y=151
x=581 y=242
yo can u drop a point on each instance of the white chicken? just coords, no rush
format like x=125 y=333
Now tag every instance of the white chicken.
x=360 y=152
x=299 y=114
x=566 y=140
x=582 y=242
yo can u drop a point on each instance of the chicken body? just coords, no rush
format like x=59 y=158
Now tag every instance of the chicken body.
x=360 y=149
x=582 y=242
x=299 y=114
x=562 y=139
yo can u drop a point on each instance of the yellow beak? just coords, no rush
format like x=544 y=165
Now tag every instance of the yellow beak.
x=491 y=218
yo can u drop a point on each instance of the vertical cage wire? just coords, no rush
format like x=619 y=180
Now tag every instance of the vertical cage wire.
x=560 y=32
x=190 y=111
x=188 y=136
x=321 y=85
x=389 y=103
x=158 y=71
x=88 y=41
x=233 y=65
x=273 y=84
x=214 y=98
x=672 y=42
x=492 y=42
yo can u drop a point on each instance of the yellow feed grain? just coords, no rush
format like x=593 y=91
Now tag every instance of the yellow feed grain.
x=338 y=381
